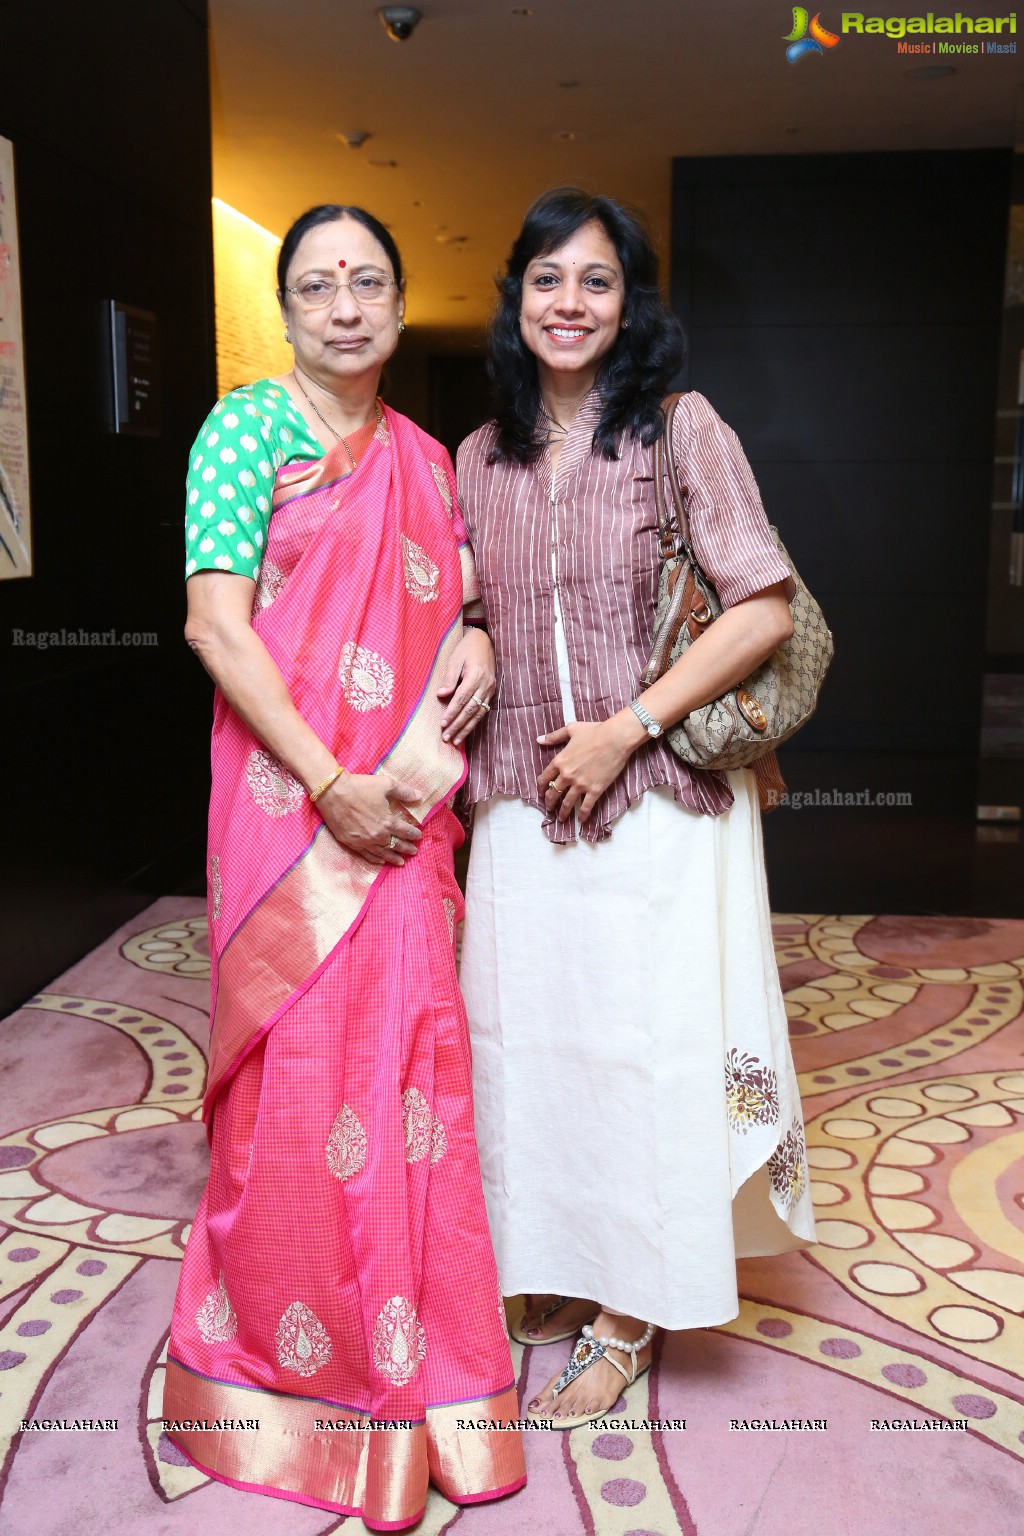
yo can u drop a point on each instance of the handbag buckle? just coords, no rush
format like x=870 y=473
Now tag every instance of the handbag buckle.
x=751 y=710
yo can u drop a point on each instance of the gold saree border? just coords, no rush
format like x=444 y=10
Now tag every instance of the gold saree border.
x=470 y=1465
x=279 y=948
x=378 y=1473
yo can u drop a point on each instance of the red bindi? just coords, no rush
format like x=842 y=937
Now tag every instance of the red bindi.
x=342 y=263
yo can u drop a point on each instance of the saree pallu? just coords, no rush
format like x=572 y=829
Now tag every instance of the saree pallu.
x=339 y=1289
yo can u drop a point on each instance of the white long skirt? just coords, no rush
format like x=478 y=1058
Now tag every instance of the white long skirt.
x=637 y=1110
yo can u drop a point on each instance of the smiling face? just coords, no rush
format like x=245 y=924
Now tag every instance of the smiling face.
x=571 y=311
x=341 y=342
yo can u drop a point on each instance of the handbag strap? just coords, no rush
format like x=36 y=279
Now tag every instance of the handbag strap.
x=674 y=528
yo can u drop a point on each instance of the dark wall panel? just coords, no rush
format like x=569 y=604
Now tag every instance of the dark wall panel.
x=825 y=513
x=798 y=248
x=843 y=314
x=864 y=393
x=108 y=109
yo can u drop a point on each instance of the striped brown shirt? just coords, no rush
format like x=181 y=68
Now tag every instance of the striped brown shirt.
x=600 y=519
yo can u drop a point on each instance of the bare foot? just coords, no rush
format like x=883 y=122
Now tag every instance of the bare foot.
x=598 y=1387
x=572 y=1314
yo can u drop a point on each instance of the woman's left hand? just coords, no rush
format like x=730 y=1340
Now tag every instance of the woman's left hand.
x=592 y=758
x=468 y=685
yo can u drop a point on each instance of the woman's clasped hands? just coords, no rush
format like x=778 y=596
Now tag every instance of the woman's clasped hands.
x=366 y=813
x=592 y=757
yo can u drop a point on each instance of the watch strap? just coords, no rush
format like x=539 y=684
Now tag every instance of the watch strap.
x=646 y=719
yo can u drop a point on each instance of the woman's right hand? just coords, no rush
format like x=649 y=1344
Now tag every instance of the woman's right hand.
x=363 y=811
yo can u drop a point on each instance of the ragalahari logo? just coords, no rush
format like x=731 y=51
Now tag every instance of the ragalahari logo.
x=808 y=35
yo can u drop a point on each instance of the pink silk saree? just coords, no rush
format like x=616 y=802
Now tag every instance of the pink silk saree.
x=339 y=1289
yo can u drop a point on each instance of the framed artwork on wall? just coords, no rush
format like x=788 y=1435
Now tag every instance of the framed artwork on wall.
x=15 y=529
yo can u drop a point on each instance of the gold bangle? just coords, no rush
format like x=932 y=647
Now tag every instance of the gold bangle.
x=314 y=794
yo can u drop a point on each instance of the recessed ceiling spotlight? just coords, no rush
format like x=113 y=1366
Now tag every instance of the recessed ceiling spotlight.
x=929 y=71
x=356 y=139
x=568 y=135
x=384 y=165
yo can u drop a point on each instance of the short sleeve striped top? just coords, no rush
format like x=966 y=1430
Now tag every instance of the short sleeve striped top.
x=592 y=530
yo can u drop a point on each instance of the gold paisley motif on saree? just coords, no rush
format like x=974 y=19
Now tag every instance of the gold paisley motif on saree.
x=216 y=1318
x=303 y=1343
x=399 y=1343
x=346 y=1144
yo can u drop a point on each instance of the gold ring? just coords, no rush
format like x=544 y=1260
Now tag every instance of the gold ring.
x=393 y=842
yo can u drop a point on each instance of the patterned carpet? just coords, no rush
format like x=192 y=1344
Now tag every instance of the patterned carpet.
x=909 y=1039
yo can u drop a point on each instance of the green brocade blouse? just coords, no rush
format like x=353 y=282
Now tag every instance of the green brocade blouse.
x=240 y=447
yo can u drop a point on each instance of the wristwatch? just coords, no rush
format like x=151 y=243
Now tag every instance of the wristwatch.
x=654 y=728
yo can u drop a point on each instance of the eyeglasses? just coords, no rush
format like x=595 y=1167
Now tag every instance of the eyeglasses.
x=365 y=288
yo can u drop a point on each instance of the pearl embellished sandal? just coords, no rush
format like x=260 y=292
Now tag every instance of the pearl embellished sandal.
x=522 y=1337
x=587 y=1353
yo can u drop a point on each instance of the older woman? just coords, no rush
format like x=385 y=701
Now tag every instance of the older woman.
x=637 y=1108
x=328 y=582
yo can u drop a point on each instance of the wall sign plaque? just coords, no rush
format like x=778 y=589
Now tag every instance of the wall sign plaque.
x=135 y=355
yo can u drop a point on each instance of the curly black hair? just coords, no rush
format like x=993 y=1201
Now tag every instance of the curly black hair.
x=633 y=376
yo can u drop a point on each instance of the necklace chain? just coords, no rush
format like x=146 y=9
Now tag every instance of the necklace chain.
x=557 y=424
x=317 y=412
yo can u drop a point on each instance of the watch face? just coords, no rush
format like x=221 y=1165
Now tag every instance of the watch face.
x=654 y=729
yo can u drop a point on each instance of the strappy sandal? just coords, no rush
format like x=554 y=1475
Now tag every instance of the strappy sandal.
x=522 y=1337
x=587 y=1353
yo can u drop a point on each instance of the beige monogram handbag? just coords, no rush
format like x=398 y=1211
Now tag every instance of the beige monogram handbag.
x=764 y=710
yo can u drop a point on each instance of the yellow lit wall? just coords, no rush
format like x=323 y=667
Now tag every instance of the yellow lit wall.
x=250 y=333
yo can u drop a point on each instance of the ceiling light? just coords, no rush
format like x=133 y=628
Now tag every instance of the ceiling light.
x=399 y=21
x=356 y=139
